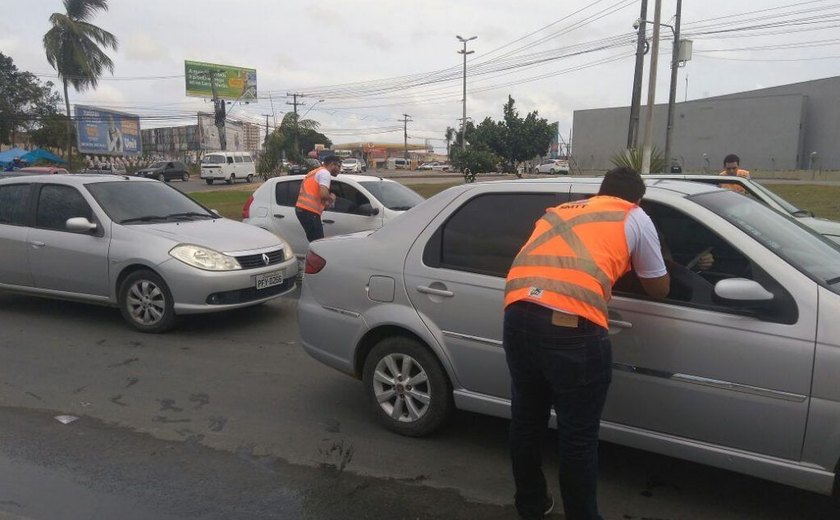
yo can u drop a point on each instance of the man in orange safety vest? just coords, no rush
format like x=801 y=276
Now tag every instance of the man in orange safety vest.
x=315 y=197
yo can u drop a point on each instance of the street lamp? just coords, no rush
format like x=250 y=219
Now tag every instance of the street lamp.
x=311 y=107
x=464 y=116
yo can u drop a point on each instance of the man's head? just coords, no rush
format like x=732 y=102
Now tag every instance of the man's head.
x=624 y=183
x=333 y=164
x=731 y=163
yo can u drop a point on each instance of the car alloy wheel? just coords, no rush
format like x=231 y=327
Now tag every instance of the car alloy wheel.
x=407 y=386
x=160 y=177
x=185 y=177
x=231 y=179
x=146 y=303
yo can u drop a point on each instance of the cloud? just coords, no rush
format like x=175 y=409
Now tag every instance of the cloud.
x=142 y=47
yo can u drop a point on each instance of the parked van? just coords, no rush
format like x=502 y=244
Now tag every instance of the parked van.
x=227 y=166
x=397 y=163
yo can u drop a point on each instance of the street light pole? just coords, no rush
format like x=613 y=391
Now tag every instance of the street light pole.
x=641 y=43
x=654 y=54
x=464 y=120
x=675 y=65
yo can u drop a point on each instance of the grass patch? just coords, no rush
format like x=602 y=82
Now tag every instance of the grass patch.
x=427 y=190
x=824 y=201
x=227 y=202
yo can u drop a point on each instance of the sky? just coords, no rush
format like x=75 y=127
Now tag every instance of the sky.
x=374 y=61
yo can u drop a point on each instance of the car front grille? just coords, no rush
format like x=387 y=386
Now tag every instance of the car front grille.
x=250 y=294
x=258 y=260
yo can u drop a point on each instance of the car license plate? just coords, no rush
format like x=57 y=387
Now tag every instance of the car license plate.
x=267 y=280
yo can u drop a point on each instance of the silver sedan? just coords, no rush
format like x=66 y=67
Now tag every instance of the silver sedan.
x=134 y=243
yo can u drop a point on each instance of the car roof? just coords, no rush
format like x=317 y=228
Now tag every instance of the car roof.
x=74 y=179
x=676 y=186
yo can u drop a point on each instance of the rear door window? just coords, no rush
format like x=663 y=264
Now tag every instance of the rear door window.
x=13 y=203
x=286 y=193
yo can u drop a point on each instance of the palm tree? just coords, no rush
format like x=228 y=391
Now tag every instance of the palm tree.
x=450 y=135
x=74 y=49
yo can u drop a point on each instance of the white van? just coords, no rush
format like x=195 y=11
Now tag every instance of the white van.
x=227 y=166
x=398 y=163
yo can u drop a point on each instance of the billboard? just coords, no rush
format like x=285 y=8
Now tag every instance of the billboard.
x=231 y=82
x=208 y=134
x=107 y=132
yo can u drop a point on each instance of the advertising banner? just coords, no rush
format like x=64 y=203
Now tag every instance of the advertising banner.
x=107 y=132
x=232 y=83
x=208 y=134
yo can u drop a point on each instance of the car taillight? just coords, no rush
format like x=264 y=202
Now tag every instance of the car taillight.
x=246 y=209
x=314 y=263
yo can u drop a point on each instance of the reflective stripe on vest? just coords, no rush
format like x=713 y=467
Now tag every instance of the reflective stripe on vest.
x=309 y=197
x=575 y=267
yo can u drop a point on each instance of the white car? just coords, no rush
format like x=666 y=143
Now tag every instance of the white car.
x=362 y=203
x=353 y=165
x=435 y=166
x=228 y=167
x=552 y=166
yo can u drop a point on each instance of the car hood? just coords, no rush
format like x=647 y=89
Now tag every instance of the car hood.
x=822 y=226
x=223 y=235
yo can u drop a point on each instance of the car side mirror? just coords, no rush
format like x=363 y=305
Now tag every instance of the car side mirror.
x=368 y=210
x=80 y=225
x=743 y=292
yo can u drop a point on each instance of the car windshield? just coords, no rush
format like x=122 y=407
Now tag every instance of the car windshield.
x=159 y=164
x=790 y=208
x=144 y=202
x=350 y=161
x=800 y=246
x=393 y=195
x=213 y=159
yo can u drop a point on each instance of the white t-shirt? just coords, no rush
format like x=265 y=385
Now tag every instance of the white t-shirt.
x=643 y=244
x=323 y=177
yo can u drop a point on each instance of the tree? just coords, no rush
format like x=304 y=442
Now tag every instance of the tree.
x=449 y=135
x=25 y=102
x=74 y=49
x=281 y=142
x=632 y=158
x=514 y=139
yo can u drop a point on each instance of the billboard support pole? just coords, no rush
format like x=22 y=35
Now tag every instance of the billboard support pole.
x=218 y=111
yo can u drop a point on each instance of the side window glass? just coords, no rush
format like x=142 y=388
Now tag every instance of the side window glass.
x=230 y=160
x=481 y=239
x=347 y=198
x=247 y=158
x=57 y=203
x=237 y=158
x=286 y=193
x=13 y=201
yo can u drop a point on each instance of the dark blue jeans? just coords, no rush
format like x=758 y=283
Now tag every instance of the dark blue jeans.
x=311 y=223
x=570 y=369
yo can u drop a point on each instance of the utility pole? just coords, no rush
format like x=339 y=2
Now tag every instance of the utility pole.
x=295 y=103
x=464 y=117
x=654 y=55
x=641 y=48
x=672 y=97
x=405 y=122
x=266 y=127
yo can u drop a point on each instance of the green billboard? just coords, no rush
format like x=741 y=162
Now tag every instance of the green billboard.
x=231 y=82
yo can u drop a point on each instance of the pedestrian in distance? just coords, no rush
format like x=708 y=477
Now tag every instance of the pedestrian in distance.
x=732 y=167
x=315 y=197
x=555 y=334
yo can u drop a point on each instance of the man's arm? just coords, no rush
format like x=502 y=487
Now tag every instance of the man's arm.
x=657 y=287
x=646 y=254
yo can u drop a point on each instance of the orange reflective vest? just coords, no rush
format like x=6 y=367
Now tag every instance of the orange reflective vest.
x=736 y=187
x=575 y=255
x=309 y=197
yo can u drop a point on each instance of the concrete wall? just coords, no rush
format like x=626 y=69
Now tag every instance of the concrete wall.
x=770 y=129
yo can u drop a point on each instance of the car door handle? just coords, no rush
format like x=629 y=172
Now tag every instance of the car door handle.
x=621 y=324
x=436 y=292
x=328 y=221
x=36 y=243
x=277 y=215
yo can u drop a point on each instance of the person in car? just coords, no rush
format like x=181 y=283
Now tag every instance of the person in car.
x=555 y=334
x=315 y=196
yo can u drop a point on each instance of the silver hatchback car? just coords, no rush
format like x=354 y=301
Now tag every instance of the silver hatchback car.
x=737 y=368
x=134 y=243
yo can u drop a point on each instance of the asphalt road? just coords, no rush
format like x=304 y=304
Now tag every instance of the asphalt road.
x=226 y=417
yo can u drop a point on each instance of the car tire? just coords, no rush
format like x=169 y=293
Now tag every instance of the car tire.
x=249 y=179
x=146 y=302
x=552 y=171
x=160 y=177
x=185 y=177
x=209 y=181
x=231 y=179
x=415 y=409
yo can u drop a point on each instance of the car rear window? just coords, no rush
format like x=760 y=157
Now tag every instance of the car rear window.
x=393 y=195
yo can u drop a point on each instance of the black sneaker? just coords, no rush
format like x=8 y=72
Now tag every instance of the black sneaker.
x=549 y=505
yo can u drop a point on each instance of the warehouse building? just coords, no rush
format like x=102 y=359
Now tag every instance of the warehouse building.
x=789 y=127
